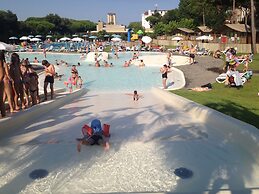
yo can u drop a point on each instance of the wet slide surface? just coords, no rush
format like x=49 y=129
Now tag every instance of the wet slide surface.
x=149 y=140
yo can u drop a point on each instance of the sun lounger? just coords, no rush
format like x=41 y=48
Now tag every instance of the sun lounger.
x=222 y=78
x=250 y=59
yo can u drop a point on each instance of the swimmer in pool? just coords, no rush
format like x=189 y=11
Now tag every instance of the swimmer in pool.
x=135 y=95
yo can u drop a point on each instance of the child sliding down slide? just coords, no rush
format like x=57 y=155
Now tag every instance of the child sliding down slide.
x=95 y=135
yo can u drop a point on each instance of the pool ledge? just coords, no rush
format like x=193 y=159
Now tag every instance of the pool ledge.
x=17 y=120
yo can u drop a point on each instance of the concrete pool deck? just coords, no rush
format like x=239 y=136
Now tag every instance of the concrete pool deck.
x=150 y=138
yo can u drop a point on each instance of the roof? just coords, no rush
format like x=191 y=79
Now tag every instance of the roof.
x=238 y=27
x=186 y=30
x=204 y=29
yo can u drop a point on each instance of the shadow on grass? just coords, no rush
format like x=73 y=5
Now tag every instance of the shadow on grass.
x=237 y=111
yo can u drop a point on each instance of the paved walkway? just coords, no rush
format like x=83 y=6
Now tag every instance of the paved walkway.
x=198 y=74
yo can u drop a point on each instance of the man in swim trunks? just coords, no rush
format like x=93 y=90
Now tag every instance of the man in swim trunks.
x=95 y=138
x=192 y=54
x=49 y=78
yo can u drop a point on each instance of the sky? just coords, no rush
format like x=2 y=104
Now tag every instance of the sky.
x=126 y=10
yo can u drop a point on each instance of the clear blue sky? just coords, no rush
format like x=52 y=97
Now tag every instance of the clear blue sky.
x=94 y=10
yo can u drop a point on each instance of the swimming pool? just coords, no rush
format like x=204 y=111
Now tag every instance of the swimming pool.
x=117 y=78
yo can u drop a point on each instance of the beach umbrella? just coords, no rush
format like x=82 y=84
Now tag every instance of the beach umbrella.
x=85 y=35
x=93 y=37
x=146 y=39
x=24 y=38
x=38 y=36
x=6 y=47
x=13 y=38
x=35 y=39
x=204 y=37
x=106 y=36
x=77 y=39
x=74 y=35
x=30 y=36
x=116 y=39
x=64 y=39
x=116 y=36
x=48 y=36
x=177 y=38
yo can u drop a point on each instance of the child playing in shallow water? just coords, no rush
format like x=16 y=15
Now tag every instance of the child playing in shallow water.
x=80 y=82
x=135 y=95
x=69 y=83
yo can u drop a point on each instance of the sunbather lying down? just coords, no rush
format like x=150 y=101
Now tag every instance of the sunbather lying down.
x=95 y=135
x=200 y=89
x=206 y=87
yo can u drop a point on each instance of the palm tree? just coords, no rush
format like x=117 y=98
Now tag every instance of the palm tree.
x=253 y=29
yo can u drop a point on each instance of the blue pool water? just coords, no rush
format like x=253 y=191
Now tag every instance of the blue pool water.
x=103 y=79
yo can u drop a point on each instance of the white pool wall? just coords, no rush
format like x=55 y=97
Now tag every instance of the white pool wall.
x=239 y=131
x=11 y=124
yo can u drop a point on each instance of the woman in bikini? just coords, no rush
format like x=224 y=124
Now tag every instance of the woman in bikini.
x=74 y=75
x=8 y=90
x=2 y=74
x=16 y=77
x=164 y=70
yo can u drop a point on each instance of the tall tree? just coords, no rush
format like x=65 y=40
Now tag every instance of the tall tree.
x=253 y=29
x=136 y=26
x=39 y=27
x=171 y=15
x=154 y=19
x=81 y=26
x=204 y=12
x=9 y=25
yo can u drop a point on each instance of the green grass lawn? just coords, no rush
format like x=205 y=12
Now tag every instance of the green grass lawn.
x=242 y=103
x=255 y=64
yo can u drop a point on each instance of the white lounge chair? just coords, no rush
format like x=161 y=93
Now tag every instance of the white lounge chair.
x=250 y=59
x=222 y=78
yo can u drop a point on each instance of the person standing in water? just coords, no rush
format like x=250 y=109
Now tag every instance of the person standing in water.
x=49 y=78
x=164 y=70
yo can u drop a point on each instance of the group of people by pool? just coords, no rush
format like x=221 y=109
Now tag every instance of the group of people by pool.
x=127 y=63
x=18 y=84
x=21 y=86
x=233 y=77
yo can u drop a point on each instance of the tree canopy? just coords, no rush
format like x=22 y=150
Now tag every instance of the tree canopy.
x=50 y=24
x=193 y=13
x=136 y=26
x=9 y=24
